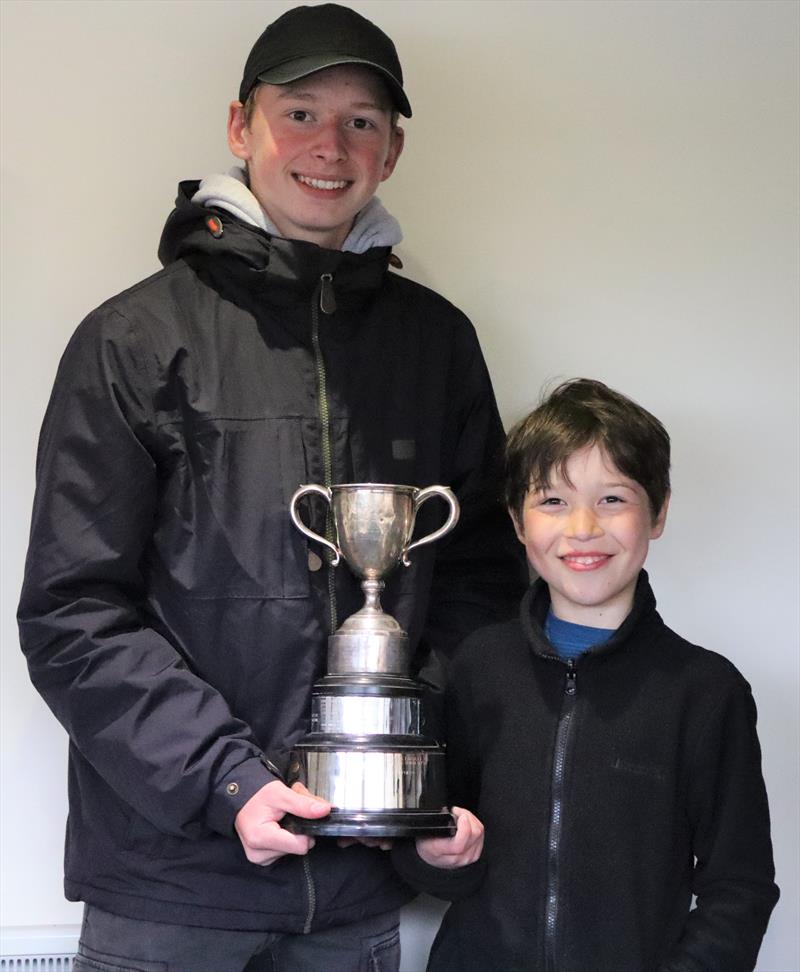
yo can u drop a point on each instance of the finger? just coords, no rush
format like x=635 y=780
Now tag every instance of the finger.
x=464 y=816
x=299 y=802
x=265 y=844
x=475 y=833
x=470 y=823
x=384 y=843
x=455 y=844
x=265 y=858
x=434 y=848
x=464 y=847
x=463 y=834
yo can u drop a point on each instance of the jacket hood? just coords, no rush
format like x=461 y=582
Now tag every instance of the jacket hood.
x=218 y=242
x=230 y=191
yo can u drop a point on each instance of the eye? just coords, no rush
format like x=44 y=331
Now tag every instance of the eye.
x=552 y=501
x=612 y=500
x=299 y=115
x=362 y=124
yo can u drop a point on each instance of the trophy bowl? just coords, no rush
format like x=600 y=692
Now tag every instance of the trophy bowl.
x=367 y=752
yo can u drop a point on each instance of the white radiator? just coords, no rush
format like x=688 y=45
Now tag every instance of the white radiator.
x=36 y=963
x=38 y=948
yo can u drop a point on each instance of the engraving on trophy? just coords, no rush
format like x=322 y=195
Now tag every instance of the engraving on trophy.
x=366 y=752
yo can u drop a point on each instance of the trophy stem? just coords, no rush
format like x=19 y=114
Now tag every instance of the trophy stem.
x=372 y=589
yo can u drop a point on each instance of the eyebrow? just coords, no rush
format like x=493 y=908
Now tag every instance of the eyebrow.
x=631 y=484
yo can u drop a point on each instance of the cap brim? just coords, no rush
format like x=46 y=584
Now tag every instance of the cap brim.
x=301 y=67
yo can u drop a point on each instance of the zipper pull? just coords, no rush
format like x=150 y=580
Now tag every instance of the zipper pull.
x=327 y=298
x=571 y=687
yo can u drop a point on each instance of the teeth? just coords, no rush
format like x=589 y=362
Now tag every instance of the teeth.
x=322 y=183
x=585 y=561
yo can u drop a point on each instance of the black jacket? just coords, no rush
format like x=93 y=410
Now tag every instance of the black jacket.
x=612 y=790
x=172 y=615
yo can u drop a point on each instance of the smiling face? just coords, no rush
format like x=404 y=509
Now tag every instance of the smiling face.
x=587 y=535
x=317 y=150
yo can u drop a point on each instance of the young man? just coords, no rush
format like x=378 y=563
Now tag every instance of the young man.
x=172 y=616
x=615 y=766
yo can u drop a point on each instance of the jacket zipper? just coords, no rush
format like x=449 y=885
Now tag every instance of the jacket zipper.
x=324 y=299
x=556 y=815
x=312 y=895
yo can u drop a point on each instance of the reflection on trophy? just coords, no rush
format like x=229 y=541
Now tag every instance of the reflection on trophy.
x=366 y=752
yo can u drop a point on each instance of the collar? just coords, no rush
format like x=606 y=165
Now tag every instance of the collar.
x=536 y=604
x=238 y=258
x=373 y=227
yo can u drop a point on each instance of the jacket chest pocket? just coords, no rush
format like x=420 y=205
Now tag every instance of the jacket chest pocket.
x=225 y=526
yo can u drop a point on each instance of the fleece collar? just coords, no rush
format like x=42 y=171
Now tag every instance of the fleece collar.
x=536 y=603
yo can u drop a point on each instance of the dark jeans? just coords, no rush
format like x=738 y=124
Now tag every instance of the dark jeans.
x=110 y=943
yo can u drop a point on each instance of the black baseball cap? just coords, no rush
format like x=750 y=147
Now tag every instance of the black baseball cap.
x=308 y=39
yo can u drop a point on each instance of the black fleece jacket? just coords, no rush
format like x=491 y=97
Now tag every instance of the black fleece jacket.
x=171 y=614
x=612 y=790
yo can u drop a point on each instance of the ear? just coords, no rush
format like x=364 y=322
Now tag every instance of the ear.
x=397 y=140
x=238 y=132
x=517 y=525
x=660 y=521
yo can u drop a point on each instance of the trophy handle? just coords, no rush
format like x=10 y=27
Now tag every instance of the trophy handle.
x=326 y=495
x=452 y=519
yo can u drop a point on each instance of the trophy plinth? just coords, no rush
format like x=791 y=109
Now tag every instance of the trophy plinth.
x=367 y=752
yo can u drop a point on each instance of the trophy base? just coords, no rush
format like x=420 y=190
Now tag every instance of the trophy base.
x=374 y=823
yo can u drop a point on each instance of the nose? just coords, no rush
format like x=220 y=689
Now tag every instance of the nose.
x=330 y=144
x=583 y=524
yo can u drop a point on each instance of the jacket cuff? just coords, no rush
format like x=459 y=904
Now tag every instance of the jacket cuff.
x=451 y=884
x=232 y=791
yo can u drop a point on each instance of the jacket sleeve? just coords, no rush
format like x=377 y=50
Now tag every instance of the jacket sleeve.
x=446 y=700
x=480 y=572
x=449 y=884
x=161 y=737
x=734 y=872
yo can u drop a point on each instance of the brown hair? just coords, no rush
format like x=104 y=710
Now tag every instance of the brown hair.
x=580 y=413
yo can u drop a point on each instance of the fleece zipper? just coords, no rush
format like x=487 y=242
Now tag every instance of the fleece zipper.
x=563 y=735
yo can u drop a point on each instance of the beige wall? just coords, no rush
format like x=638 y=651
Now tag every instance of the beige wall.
x=608 y=189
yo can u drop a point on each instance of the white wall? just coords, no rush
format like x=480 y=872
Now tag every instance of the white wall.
x=608 y=187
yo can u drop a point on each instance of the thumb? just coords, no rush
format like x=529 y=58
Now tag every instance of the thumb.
x=301 y=802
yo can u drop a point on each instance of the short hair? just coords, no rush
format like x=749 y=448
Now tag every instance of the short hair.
x=578 y=414
x=250 y=105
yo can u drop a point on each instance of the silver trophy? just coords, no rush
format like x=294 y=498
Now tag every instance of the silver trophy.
x=366 y=751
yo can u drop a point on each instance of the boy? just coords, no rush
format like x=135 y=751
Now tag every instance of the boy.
x=172 y=617
x=614 y=765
